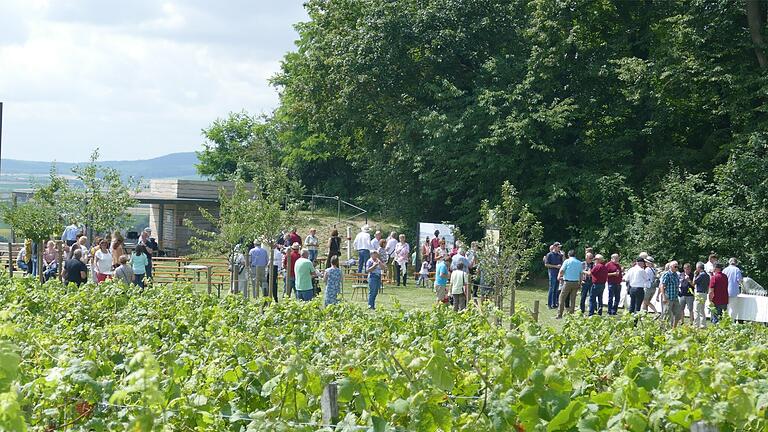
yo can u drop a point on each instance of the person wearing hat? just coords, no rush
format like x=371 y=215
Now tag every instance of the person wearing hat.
x=151 y=244
x=362 y=244
x=599 y=279
x=552 y=262
x=259 y=259
x=650 y=272
x=289 y=263
x=637 y=282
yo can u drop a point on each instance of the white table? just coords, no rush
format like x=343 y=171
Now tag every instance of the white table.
x=744 y=307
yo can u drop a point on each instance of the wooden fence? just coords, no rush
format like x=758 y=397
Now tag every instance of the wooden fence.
x=8 y=253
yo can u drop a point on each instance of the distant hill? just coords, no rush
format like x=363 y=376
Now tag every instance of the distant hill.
x=174 y=165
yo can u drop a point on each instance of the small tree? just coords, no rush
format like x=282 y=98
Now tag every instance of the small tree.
x=247 y=213
x=508 y=262
x=102 y=201
x=36 y=221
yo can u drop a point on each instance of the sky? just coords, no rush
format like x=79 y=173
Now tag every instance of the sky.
x=136 y=79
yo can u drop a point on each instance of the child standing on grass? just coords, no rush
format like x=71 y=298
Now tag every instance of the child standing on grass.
x=423 y=275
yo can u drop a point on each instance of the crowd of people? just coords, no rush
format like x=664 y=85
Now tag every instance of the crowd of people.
x=676 y=288
x=105 y=258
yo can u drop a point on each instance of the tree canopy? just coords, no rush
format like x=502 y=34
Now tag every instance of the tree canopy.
x=611 y=118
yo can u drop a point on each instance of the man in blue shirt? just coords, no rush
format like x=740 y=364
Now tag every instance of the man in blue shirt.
x=570 y=273
x=552 y=262
x=69 y=236
x=441 y=278
x=734 y=277
x=259 y=260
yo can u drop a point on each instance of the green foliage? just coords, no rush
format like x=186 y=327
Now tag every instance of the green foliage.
x=109 y=358
x=33 y=220
x=241 y=146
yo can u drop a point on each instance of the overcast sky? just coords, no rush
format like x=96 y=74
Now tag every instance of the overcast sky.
x=137 y=78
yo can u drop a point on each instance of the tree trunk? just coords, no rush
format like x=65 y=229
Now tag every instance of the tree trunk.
x=40 y=263
x=754 y=18
x=511 y=304
x=272 y=275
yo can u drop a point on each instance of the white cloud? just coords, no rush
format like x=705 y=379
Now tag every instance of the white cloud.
x=137 y=81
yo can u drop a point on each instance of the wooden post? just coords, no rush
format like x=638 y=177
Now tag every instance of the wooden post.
x=59 y=258
x=329 y=405
x=10 y=259
x=536 y=310
x=208 y=274
x=511 y=305
x=40 y=266
x=272 y=275
x=701 y=426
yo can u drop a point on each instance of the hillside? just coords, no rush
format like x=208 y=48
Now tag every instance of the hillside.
x=174 y=165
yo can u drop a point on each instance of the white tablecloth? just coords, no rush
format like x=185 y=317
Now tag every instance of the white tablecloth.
x=744 y=307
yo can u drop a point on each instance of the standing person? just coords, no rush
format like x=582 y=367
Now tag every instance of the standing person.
x=459 y=287
x=402 y=252
x=637 y=282
x=151 y=247
x=376 y=244
x=50 y=262
x=701 y=282
x=669 y=286
x=117 y=248
x=570 y=273
x=312 y=243
x=599 y=279
x=441 y=279
x=102 y=261
x=709 y=267
x=373 y=267
x=686 y=293
x=238 y=266
x=69 y=236
x=423 y=274
x=305 y=271
x=718 y=293
x=615 y=273
x=586 y=284
x=435 y=241
x=389 y=249
x=294 y=237
x=553 y=261
x=334 y=247
x=124 y=272
x=75 y=271
x=426 y=253
x=259 y=259
x=362 y=244
x=332 y=278
x=289 y=263
x=440 y=251
x=734 y=277
x=139 y=264
x=650 y=272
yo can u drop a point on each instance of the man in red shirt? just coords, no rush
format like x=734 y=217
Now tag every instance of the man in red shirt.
x=599 y=278
x=614 y=284
x=295 y=238
x=289 y=263
x=718 y=292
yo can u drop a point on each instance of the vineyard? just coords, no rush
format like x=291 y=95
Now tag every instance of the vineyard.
x=110 y=358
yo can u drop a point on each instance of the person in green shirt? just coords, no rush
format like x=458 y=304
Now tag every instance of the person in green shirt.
x=305 y=271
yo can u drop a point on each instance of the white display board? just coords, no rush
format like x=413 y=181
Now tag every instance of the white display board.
x=428 y=229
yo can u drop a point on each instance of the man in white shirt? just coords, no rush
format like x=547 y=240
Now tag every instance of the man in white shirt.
x=362 y=244
x=389 y=249
x=459 y=284
x=376 y=241
x=650 y=271
x=637 y=282
x=734 y=277
x=69 y=236
x=709 y=267
x=311 y=243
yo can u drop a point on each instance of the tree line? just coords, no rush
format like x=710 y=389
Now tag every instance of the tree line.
x=624 y=125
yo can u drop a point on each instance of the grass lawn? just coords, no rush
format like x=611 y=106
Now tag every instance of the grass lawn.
x=423 y=298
